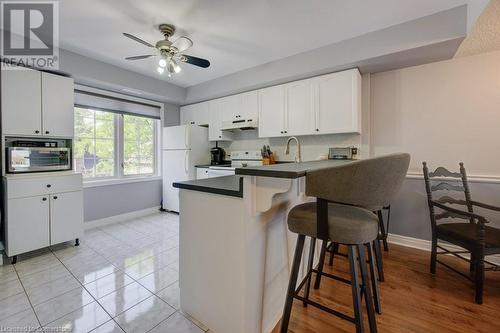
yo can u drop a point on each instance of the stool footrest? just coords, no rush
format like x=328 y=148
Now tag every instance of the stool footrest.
x=324 y=308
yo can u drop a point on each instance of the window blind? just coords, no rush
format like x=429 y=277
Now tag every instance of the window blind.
x=92 y=100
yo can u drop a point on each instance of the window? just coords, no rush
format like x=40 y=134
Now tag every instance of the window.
x=110 y=145
x=138 y=145
x=94 y=143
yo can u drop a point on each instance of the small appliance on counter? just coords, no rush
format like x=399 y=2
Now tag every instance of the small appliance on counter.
x=218 y=155
x=342 y=153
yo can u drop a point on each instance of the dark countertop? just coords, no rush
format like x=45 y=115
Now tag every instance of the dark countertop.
x=225 y=185
x=227 y=163
x=289 y=170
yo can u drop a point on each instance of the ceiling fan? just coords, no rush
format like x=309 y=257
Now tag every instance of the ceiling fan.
x=170 y=53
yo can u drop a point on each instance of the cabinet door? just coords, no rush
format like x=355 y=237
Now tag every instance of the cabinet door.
x=272 y=112
x=21 y=102
x=231 y=108
x=66 y=216
x=27 y=224
x=187 y=115
x=57 y=105
x=202 y=117
x=300 y=116
x=215 y=122
x=339 y=103
x=250 y=105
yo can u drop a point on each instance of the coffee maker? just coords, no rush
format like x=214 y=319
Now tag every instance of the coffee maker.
x=218 y=155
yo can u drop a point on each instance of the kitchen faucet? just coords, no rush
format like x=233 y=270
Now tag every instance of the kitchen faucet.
x=298 y=158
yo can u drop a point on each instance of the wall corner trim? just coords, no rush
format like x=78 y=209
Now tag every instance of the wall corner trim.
x=119 y=218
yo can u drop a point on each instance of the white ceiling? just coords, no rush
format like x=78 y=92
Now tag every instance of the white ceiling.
x=233 y=35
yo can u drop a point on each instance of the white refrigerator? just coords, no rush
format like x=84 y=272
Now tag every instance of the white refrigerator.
x=183 y=147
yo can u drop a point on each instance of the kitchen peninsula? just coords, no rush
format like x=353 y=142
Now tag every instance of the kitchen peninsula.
x=235 y=247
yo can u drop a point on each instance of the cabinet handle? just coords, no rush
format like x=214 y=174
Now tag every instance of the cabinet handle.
x=44 y=199
x=47 y=132
x=192 y=123
x=37 y=131
x=317 y=129
x=49 y=186
x=281 y=132
x=220 y=136
x=286 y=132
x=55 y=197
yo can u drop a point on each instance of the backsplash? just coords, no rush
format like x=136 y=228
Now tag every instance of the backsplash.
x=312 y=146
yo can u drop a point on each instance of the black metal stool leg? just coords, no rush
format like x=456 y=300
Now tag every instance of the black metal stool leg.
x=388 y=208
x=382 y=229
x=379 y=260
x=373 y=277
x=320 y=264
x=312 y=247
x=356 y=297
x=366 y=290
x=335 y=249
x=287 y=311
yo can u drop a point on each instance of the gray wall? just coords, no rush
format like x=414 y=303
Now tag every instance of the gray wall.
x=410 y=213
x=172 y=115
x=104 y=201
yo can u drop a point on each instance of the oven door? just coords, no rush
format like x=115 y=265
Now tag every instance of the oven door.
x=37 y=159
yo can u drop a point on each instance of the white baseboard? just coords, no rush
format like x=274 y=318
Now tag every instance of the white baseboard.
x=422 y=244
x=119 y=218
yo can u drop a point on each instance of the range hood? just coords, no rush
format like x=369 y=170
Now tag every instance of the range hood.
x=240 y=124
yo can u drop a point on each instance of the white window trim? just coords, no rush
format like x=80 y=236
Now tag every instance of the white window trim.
x=119 y=178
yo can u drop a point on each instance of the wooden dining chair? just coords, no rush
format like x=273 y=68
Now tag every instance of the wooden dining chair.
x=473 y=236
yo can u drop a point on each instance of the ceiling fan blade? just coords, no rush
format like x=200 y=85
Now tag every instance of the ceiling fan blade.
x=182 y=43
x=139 y=57
x=195 y=61
x=137 y=39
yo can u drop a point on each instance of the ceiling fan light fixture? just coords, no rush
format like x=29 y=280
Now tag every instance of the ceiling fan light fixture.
x=173 y=67
x=162 y=63
x=160 y=70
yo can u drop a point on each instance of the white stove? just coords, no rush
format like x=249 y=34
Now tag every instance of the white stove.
x=239 y=159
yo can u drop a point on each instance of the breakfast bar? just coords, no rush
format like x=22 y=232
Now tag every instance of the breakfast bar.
x=235 y=248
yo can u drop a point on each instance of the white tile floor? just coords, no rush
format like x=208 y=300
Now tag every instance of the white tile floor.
x=122 y=278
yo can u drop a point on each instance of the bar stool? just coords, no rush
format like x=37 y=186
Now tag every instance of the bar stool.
x=333 y=248
x=337 y=216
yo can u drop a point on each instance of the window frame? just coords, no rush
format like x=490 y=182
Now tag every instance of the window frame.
x=118 y=153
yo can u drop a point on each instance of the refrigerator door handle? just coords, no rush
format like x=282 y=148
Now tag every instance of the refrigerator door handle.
x=186 y=137
x=186 y=168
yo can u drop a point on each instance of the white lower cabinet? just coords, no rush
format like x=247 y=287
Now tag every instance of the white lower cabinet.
x=38 y=215
x=27 y=227
x=66 y=213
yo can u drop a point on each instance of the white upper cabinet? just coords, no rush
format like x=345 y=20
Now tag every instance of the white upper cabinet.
x=21 y=102
x=195 y=114
x=300 y=115
x=215 y=109
x=37 y=103
x=272 y=112
x=250 y=105
x=232 y=108
x=57 y=105
x=243 y=106
x=338 y=107
x=188 y=115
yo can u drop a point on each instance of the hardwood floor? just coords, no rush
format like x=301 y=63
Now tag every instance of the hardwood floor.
x=412 y=299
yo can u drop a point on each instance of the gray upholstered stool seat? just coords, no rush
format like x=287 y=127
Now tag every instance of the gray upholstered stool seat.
x=346 y=224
